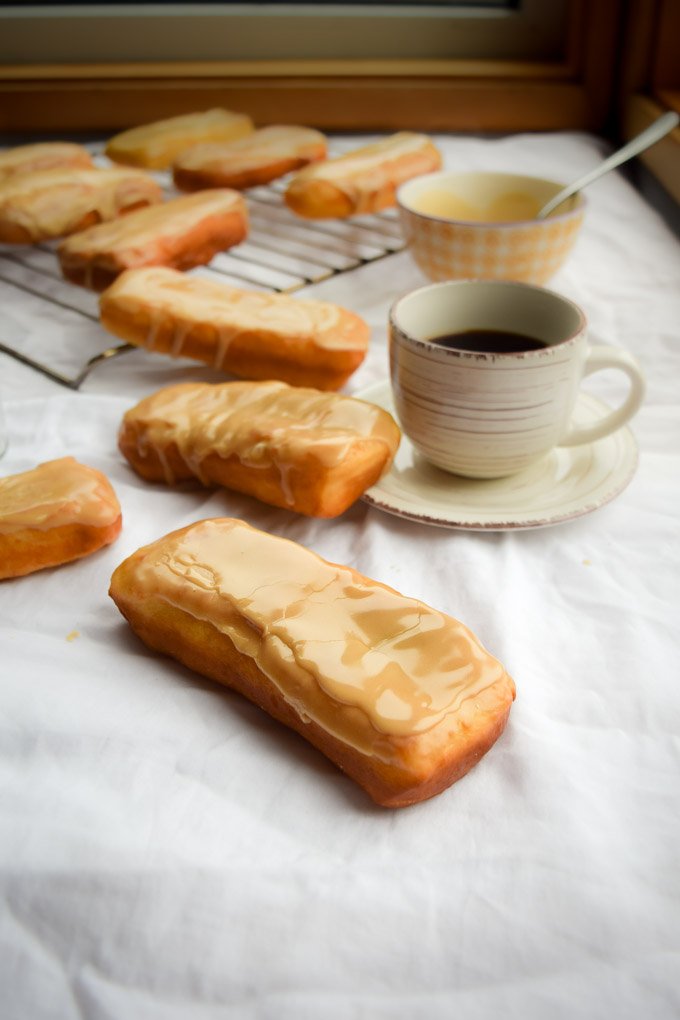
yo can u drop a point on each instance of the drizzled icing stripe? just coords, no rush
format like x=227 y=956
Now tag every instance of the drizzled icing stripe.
x=53 y=202
x=164 y=296
x=263 y=424
x=152 y=225
x=368 y=170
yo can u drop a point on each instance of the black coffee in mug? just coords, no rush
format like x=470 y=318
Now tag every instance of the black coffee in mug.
x=489 y=341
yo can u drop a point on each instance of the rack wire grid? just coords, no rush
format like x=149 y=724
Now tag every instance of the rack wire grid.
x=282 y=254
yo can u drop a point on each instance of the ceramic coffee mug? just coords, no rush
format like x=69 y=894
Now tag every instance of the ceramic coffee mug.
x=3 y=431
x=485 y=374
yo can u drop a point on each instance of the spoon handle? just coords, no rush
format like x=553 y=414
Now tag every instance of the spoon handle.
x=648 y=137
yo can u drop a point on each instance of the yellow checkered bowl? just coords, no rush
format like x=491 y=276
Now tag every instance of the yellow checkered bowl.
x=484 y=226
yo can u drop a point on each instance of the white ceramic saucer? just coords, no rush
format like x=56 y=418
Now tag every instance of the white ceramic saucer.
x=567 y=483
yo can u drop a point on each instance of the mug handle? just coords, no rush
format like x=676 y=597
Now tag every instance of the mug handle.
x=609 y=357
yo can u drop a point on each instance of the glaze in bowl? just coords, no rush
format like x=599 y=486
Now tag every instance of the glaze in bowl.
x=484 y=226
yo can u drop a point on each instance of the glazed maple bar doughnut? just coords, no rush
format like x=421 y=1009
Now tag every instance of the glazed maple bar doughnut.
x=362 y=181
x=249 y=334
x=54 y=203
x=400 y=696
x=155 y=146
x=181 y=233
x=300 y=449
x=256 y=159
x=36 y=156
x=55 y=513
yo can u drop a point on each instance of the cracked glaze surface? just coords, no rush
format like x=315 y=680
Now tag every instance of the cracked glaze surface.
x=312 y=626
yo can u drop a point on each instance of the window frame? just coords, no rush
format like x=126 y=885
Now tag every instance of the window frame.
x=572 y=90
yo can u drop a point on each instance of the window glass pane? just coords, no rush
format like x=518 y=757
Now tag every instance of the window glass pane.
x=105 y=33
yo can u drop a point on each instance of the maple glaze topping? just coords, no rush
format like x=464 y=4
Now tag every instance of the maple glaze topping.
x=313 y=626
x=42 y=156
x=151 y=226
x=510 y=207
x=56 y=493
x=165 y=294
x=367 y=156
x=276 y=141
x=373 y=166
x=158 y=143
x=264 y=424
x=55 y=201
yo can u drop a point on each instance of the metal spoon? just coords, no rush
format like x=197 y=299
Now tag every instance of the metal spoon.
x=648 y=137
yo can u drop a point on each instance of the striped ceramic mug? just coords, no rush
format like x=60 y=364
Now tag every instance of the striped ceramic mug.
x=485 y=374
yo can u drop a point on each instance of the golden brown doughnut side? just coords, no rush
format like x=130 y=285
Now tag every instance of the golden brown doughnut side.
x=395 y=770
x=156 y=145
x=318 y=200
x=55 y=513
x=363 y=181
x=189 y=179
x=310 y=489
x=257 y=347
x=195 y=247
x=93 y=275
x=178 y=236
x=253 y=355
x=24 y=552
x=154 y=464
x=14 y=233
x=299 y=481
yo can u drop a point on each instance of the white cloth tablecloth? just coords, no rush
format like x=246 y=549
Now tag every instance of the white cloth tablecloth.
x=167 y=851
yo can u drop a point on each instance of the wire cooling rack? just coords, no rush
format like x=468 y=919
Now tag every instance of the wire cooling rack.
x=282 y=254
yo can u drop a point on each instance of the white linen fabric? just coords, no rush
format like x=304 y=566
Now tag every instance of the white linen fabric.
x=167 y=851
